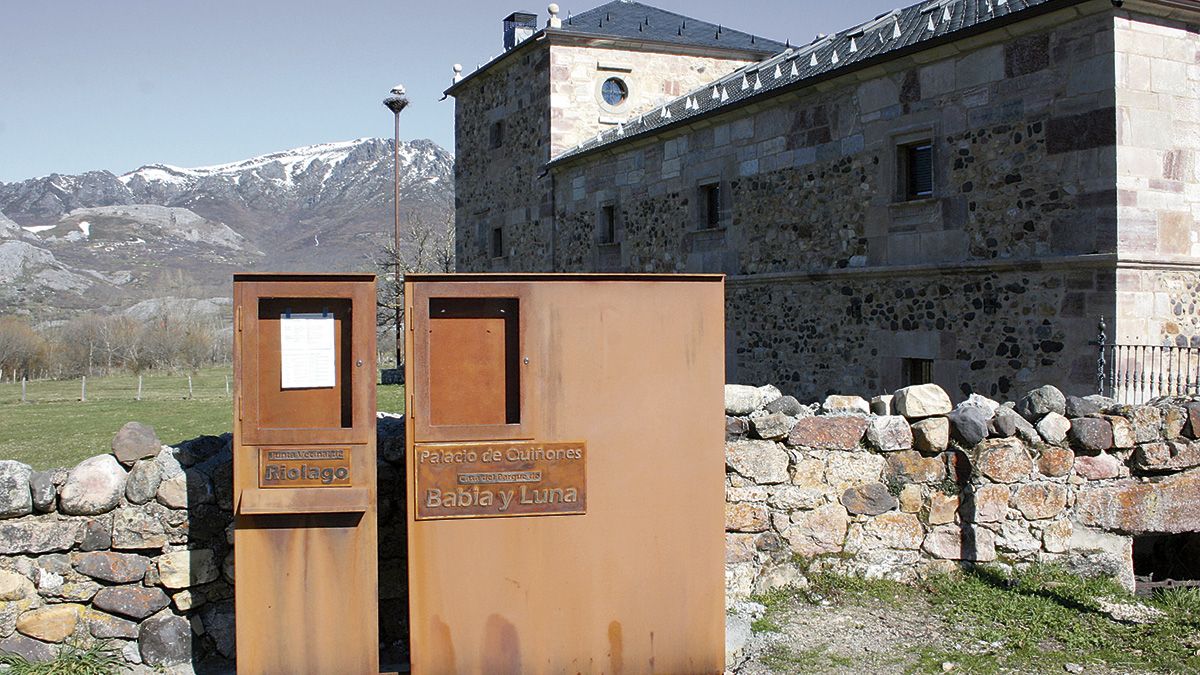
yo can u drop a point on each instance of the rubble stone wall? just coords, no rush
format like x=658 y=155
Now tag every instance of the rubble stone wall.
x=501 y=139
x=907 y=484
x=996 y=332
x=135 y=548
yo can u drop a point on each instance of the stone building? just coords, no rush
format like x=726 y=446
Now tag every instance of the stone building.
x=956 y=191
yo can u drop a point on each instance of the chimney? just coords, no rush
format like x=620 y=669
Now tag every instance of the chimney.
x=518 y=27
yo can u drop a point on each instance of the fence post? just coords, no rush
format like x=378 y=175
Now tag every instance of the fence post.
x=83 y=388
x=23 y=399
x=139 y=394
x=227 y=385
x=1101 y=339
x=189 y=387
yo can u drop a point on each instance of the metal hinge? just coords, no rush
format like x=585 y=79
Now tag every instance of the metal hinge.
x=239 y=407
x=239 y=318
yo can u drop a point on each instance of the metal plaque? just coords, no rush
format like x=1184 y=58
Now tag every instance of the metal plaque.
x=303 y=467
x=488 y=480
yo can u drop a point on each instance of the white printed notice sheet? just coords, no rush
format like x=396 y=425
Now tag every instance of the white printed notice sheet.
x=307 y=358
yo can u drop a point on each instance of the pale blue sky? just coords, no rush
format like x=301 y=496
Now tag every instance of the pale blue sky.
x=121 y=83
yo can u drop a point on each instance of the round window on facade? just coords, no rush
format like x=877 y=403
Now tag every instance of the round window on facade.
x=614 y=91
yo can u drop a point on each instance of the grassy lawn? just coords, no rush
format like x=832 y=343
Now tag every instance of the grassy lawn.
x=55 y=429
x=1046 y=617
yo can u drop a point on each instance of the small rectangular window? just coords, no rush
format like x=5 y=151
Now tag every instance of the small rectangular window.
x=608 y=224
x=916 y=371
x=497 y=242
x=710 y=206
x=915 y=170
x=496 y=137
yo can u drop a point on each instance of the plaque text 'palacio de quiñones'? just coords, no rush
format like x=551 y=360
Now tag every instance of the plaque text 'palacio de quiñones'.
x=501 y=479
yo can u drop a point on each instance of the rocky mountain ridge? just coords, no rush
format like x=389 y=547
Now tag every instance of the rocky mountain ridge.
x=103 y=241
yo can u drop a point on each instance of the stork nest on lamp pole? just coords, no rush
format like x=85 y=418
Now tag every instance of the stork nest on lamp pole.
x=396 y=103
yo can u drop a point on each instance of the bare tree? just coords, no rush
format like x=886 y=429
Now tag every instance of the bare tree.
x=126 y=336
x=427 y=245
x=80 y=344
x=22 y=350
x=95 y=344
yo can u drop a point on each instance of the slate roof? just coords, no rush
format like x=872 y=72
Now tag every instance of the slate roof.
x=912 y=28
x=634 y=20
x=630 y=20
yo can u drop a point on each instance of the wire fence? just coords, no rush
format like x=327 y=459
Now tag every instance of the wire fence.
x=209 y=384
x=213 y=384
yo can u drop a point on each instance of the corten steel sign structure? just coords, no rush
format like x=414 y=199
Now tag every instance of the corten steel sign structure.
x=565 y=473
x=305 y=547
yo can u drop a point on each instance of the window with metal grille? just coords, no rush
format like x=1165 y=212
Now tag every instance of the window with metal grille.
x=916 y=371
x=497 y=242
x=710 y=206
x=608 y=224
x=916 y=170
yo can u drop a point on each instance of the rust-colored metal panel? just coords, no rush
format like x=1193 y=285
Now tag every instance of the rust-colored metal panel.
x=633 y=368
x=305 y=542
x=469 y=368
x=469 y=347
x=345 y=415
x=473 y=480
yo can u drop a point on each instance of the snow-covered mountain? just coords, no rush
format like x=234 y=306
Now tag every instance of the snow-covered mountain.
x=165 y=230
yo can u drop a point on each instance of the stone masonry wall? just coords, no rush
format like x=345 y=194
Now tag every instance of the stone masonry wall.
x=1158 y=177
x=906 y=484
x=1024 y=159
x=995 y=332
x=545 y=98
x=829 y=266
x=653 y=78
x=501 y=186
x=135 y=548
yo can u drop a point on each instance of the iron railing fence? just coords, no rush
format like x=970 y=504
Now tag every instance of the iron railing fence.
x=1138 y=373
x=1132 y=373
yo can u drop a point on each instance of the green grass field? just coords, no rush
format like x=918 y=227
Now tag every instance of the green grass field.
x=54 y=428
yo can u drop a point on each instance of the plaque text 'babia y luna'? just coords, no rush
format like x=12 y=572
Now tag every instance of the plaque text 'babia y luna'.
x=500 y=479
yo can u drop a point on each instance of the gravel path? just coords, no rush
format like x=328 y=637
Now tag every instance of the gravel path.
x=871 y=637
x=866 y=636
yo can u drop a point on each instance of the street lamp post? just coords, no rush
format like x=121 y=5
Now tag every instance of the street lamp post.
x=397 y=102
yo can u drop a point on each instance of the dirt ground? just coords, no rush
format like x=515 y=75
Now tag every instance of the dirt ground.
x=874 y=637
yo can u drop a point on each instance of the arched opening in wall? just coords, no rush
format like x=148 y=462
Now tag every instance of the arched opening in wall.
x=1166 y=560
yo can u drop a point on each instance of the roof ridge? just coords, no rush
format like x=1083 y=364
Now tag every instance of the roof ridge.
x=620 y=17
